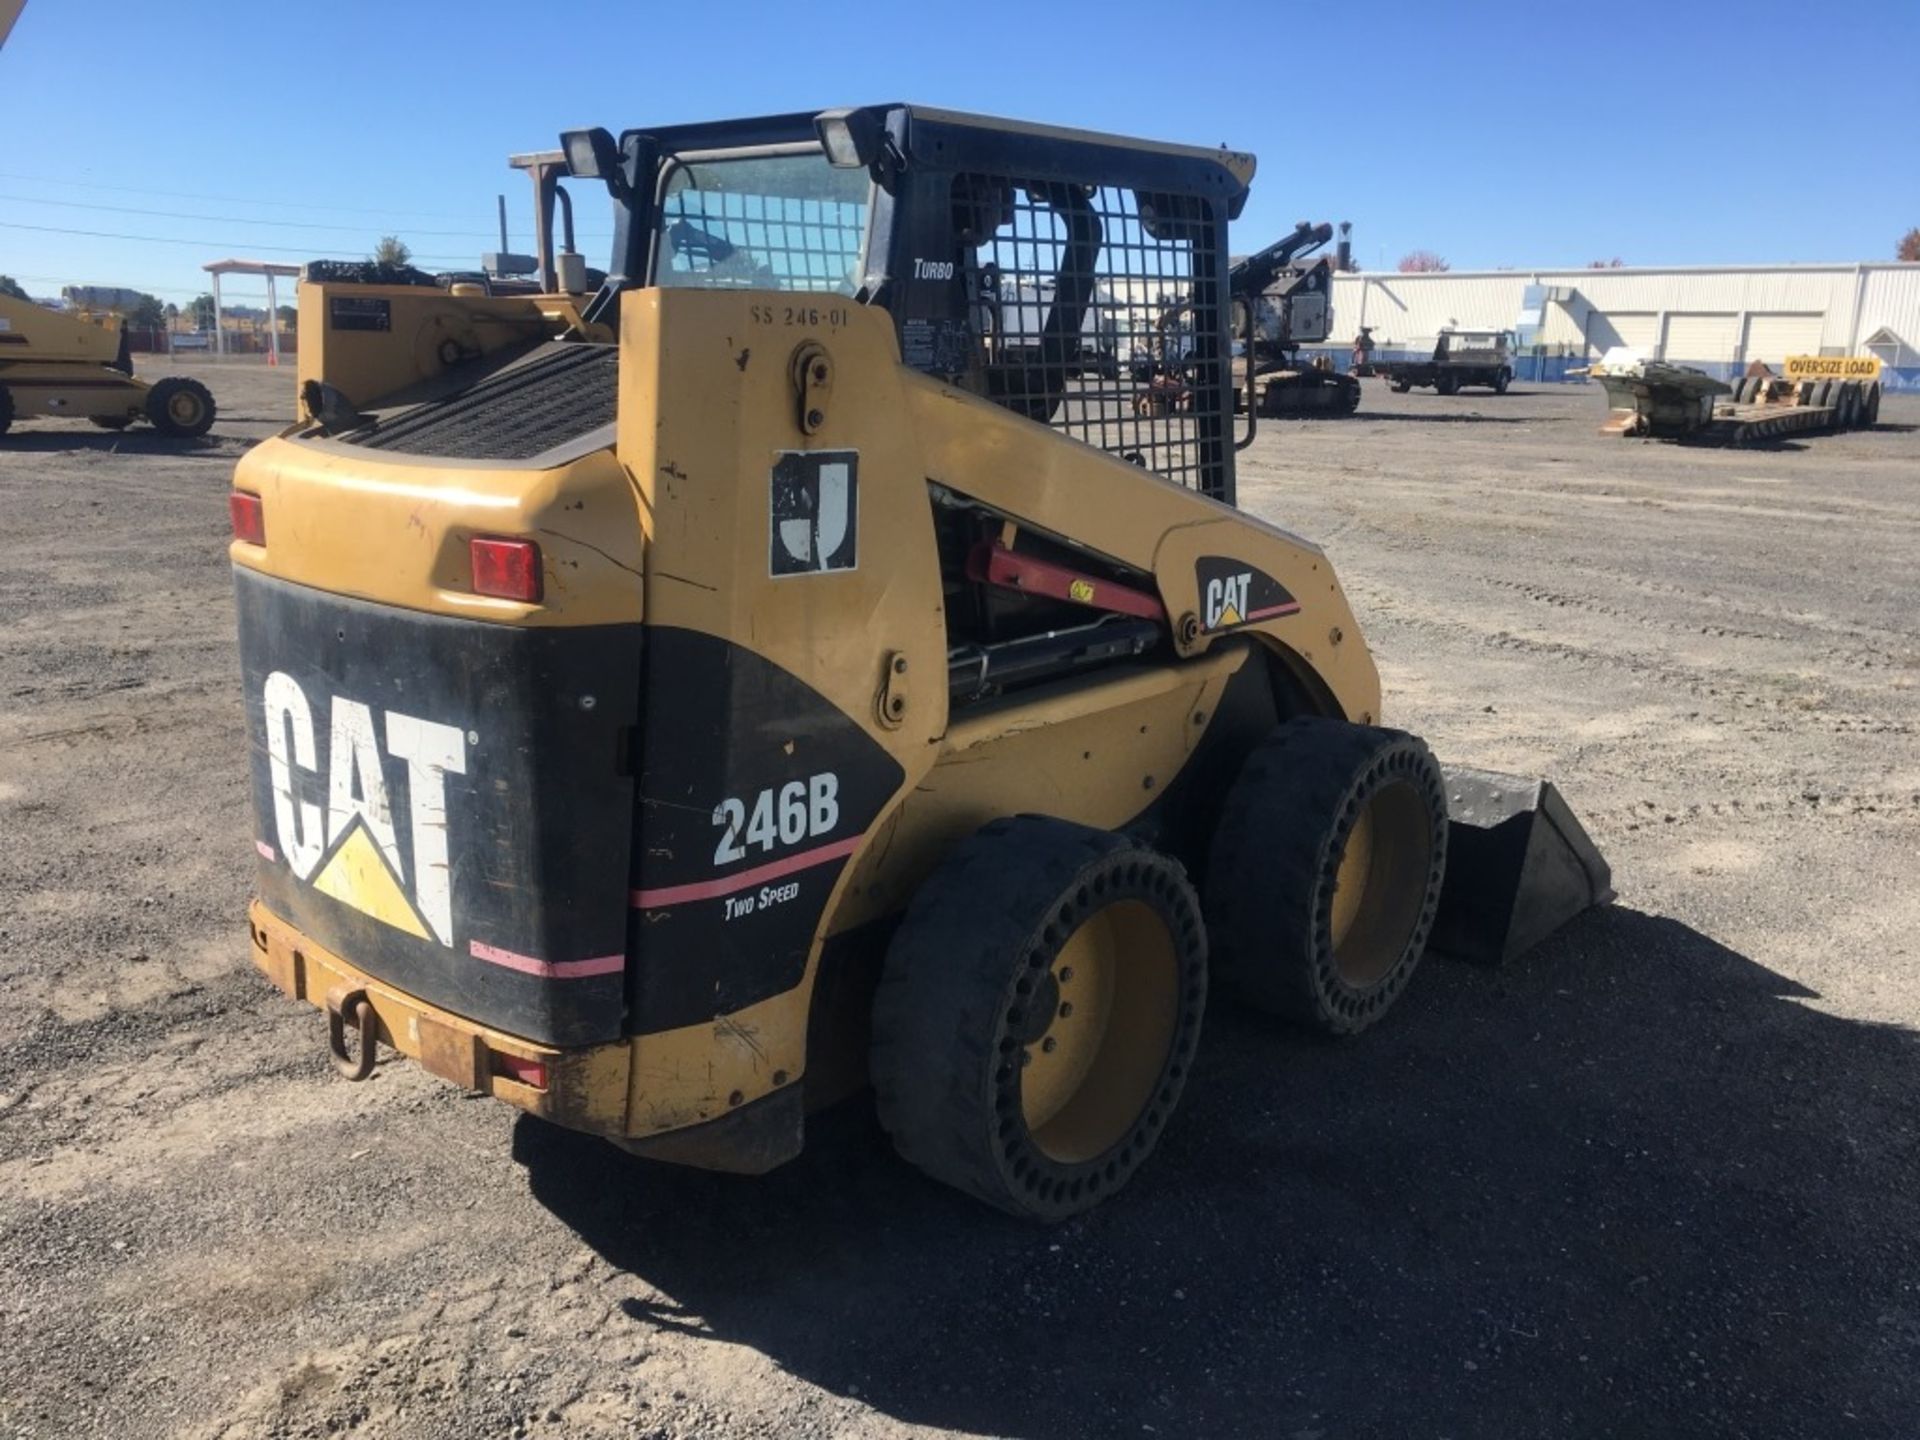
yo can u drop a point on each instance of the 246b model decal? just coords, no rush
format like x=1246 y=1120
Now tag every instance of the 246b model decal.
x=800 y=810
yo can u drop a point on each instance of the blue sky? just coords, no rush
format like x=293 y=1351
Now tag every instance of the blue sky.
x=1663 y=134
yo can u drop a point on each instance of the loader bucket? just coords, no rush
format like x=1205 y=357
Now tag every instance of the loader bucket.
x=1519 y=866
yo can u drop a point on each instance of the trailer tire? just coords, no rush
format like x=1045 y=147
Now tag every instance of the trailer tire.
x=6 y=409
x=1325 y=871
x=1823 y=393
x=180 y=407
x=999 y=1070
x=1871 y=417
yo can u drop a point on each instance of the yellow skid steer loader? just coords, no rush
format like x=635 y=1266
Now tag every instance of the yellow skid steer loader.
x=799 y=664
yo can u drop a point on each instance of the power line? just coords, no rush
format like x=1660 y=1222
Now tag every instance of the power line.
x=102 y=285
x=228 y=199
x=239 y=219
x=306 y=250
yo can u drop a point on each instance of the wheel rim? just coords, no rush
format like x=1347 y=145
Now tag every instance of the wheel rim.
x=1379 y=887
x=1114 y=1000
x=183 y=407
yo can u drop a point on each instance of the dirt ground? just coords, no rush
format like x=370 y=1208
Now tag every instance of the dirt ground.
x=1660 y=1178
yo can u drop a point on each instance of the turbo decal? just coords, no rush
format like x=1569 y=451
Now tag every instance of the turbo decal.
x=1234 y=593
x=355 y=857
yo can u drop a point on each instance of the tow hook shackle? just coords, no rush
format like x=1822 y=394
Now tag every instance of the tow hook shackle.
x=352 y=1006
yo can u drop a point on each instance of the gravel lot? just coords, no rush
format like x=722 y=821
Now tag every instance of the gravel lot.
x=1661 y=1178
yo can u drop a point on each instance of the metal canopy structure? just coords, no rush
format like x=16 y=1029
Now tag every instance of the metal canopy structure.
x=217 y=268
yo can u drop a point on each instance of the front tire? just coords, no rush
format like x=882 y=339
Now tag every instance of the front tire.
x=1037 y=1015
x=1325 y=871
x=180 y=407
x=1501 y=381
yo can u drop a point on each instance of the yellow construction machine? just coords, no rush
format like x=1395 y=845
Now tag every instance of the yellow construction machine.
x=798 y=664
x=78 y=367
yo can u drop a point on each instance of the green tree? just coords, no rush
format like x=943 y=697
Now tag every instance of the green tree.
x=11 y=288
x=202 y=312
x=392 y=250
x=146 y=313
x=289 y=316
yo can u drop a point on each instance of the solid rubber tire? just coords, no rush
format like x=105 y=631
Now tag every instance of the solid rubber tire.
x=950 y=1008
x=1274 y=857
x=161 y=395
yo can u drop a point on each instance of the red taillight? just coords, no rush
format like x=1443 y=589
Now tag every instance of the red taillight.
x=249 y=517
x=518 y=1067
x=508 y=569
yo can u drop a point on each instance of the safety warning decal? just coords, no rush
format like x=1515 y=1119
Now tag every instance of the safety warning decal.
x=813 y=512
x=1234 y=593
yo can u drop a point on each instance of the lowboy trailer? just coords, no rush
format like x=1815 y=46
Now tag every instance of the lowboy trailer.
x=1675 y=402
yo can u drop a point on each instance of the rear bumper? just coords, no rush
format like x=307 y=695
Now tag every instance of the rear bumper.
x=586 y=1087
x=721 y=1095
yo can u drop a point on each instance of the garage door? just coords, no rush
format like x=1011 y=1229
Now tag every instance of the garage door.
x=1701 y=339
x=1773 y=337
x=1640 y=329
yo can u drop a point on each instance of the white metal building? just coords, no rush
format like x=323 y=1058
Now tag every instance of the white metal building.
x=1718 y=318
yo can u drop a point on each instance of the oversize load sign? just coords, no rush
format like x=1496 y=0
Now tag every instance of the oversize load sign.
x=1833 y=367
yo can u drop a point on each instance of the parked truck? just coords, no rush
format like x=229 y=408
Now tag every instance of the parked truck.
x=1457 y=358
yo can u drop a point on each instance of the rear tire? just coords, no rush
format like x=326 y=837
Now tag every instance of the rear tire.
x=1501 y=381
x=1325 y=871
x=1038 y=1013
x=1870 y=416
x=180 y=407
x=1447 y=385
x=1400 y=387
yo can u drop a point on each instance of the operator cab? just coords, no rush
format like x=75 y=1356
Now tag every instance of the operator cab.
x=1030 y=265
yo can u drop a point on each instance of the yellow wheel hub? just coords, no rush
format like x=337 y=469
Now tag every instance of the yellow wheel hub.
x=1380 y=884
x=1087 y=1079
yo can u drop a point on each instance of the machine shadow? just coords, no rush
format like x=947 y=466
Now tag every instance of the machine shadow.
x=124 y=442
x=1442 y=417
x=1632 y=1184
